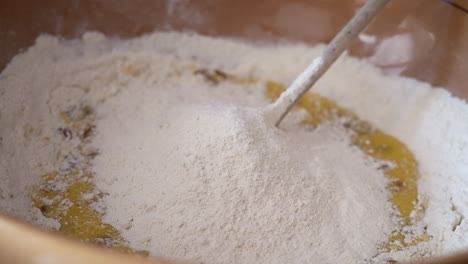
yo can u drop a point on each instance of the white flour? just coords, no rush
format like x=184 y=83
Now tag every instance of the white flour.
x=215 y=183
x=194 y=172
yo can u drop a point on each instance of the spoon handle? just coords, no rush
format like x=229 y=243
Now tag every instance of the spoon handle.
x=321 y=64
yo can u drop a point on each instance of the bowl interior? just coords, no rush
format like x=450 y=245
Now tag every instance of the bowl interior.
x=419 y=39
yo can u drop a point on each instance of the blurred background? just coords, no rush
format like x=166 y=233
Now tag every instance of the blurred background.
x=424 y=39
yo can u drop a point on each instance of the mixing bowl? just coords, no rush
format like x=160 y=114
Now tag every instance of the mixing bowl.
x=422 y=39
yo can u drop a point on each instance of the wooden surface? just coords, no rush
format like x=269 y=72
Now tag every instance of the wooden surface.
x=460 y=258
x=22 y=244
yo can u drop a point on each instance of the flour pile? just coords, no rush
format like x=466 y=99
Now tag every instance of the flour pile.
x=192 y=170
x=218 y=183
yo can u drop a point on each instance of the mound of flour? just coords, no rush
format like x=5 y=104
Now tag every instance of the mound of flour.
x=220 y=184
x=192 y=169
